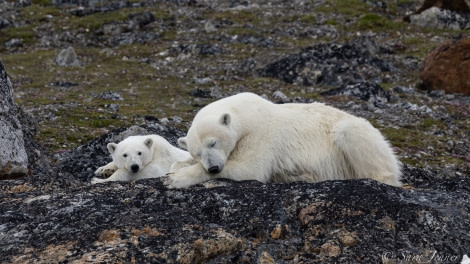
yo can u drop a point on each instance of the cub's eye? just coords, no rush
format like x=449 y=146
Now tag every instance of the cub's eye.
x=125 y=155
x=212 y=144
x=139 y=153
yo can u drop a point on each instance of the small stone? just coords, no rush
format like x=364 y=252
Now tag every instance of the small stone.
x=347 y=241
x=68 y=57
x=14 y=43
x=266 y=258
x=276 y=233
x=330 y=250
x=209 y=27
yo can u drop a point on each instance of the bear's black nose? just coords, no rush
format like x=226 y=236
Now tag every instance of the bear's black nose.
x=214 y=169
x=135 y=168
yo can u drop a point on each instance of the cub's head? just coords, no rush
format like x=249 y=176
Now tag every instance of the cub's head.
x=210 y=141
x=133 y=153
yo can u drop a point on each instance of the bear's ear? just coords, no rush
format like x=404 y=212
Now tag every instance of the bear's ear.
x=182 y=143
x=148 y=142
x=225 y=119
x=112 y=147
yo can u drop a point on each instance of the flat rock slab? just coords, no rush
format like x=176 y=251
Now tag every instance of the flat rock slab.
x=223 y=221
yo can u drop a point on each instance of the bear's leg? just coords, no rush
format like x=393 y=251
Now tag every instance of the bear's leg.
x=119 y=175
x=106 y=170
x=187 y=176
x=366 y=151
x=181 y=164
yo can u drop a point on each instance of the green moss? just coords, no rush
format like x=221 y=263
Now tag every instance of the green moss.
x=94 y=21
x=308 y=19
x=331 y=22
x=351 y=8
x=375 y=22
x=239 y=17
x=25 y=33
x=241 y=31
x=42 y=2
x=429 y=122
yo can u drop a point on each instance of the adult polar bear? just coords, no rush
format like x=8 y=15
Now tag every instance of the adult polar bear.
x=245 y=137
x=140 y=157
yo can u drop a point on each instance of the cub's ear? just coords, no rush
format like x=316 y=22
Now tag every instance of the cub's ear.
x=148 y=142
x=112 y=147
x=182 y=143
x=225 y=119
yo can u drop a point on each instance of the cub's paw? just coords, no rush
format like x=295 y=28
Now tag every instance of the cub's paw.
x=95 y=180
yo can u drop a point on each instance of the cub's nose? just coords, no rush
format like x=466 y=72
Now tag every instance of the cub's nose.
x=214 y=169
x=135 y=168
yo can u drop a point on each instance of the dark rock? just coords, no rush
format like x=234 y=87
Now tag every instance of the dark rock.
x=110 y=96
x=4 y=23
x=366 y=91
x=197 y=49
x=22 y=3
x=329 y=64
x=14 y=43
x=63 y=84
x=200 y=93
x=139 y=20
x=447 y=68
x=231 y=222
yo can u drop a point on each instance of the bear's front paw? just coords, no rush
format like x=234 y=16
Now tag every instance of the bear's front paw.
x=105 y=171
x=173 y=181
x=95 y=180
x=186 y=176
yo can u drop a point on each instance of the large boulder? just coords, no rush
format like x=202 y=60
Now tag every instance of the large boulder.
x=20 y=154
x=330 y=64
x=13 y=156
x=446 y=14
x=222 y=221
x=447 y=68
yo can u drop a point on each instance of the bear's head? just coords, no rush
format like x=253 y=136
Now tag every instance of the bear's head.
x=210 y=140
x=133 y=153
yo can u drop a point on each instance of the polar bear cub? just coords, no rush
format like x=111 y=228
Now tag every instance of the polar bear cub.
x=245 y=137
x=140 y=157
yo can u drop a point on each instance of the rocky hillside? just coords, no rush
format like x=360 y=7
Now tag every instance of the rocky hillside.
x=85 y=73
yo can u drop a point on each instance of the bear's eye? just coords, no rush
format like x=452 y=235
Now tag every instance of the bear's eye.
x=212 y=144
x=125 y=155
x=139 y=153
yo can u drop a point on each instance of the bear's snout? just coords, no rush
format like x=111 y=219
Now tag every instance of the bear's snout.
x=135 y=168
x=214 y=169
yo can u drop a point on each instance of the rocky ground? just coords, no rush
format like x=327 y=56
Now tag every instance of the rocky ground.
x=155 y=63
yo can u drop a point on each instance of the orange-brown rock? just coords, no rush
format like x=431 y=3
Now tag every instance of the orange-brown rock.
x=453 y=5
x=447 y=68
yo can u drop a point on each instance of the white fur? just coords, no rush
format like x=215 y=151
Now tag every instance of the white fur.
x=247 y=137
x=140 y=157
x=465 y=260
